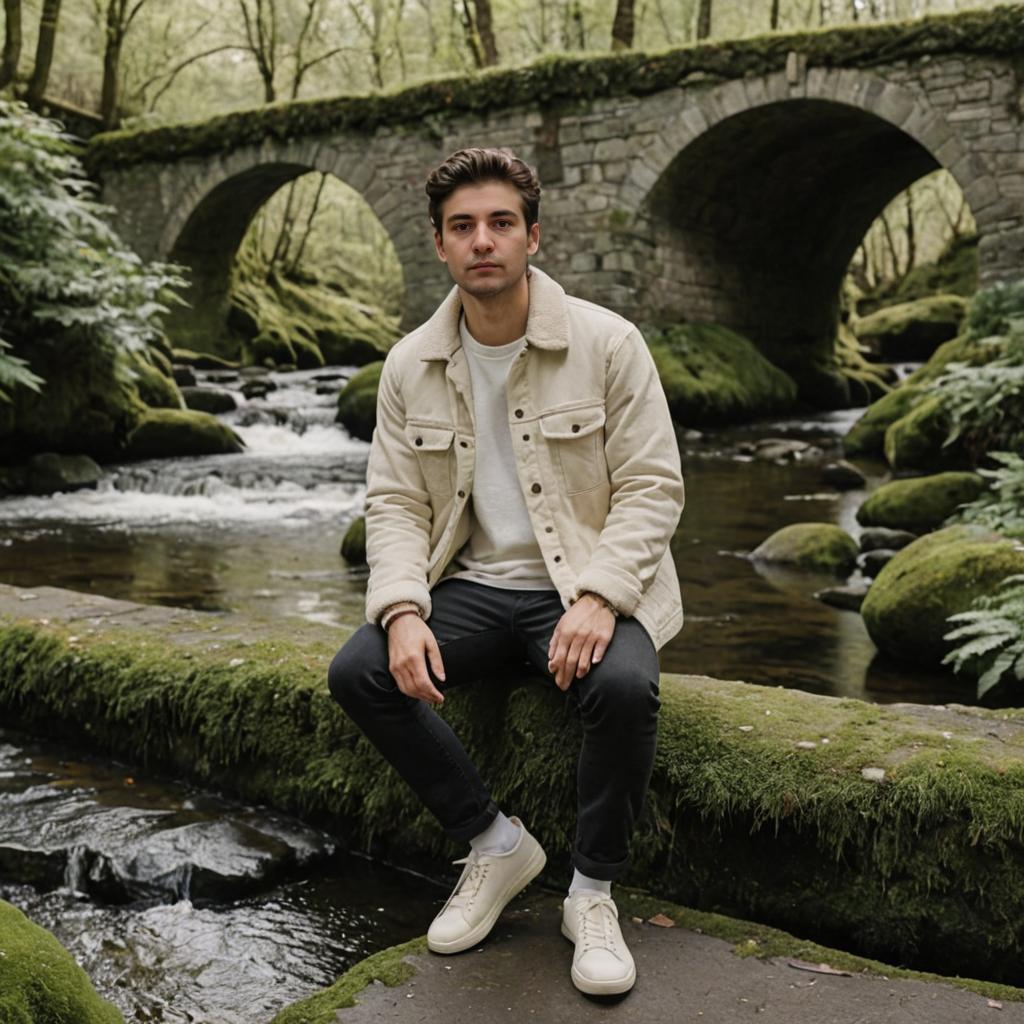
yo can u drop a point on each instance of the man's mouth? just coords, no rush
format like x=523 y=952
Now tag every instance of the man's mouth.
x=484 y=266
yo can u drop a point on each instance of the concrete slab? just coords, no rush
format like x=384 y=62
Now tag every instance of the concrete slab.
x=521 y=973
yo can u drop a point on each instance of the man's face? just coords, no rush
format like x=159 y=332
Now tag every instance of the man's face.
x=485 y=241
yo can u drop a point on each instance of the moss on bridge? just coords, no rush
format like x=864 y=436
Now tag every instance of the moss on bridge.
x=565 y=79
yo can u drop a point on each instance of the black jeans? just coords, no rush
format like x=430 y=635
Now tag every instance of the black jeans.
x=478 y=628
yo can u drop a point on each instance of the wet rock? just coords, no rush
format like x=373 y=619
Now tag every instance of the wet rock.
x=203 y=360
x=921 y=503
x=849 y=596
x=212 y=400
x=157 y=389
x=258 y=388
x=872 y=562
x=331 y=375
x=821 y=546
x=13 y=479
x=843 y=475
x=938 y=575
x=357 y=403
x=40 y=980
x=50 y=472
x=222 y=376
x=785 y=449
x=253 y=372
x=166 y=432
x=882 y=537
x=353 y=544
x=912 y=330
x=184 y=376
x=916 y=441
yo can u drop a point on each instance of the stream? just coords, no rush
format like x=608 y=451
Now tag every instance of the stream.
x=186 y=907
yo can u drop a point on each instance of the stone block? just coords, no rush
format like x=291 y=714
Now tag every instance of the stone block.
x=578 y=153
x=981 y=192
x=611 y=149
x=583 y=262
x=973 y=91
x=975 y=112
x=894 y=105
x=615 y=171
x=756 y=93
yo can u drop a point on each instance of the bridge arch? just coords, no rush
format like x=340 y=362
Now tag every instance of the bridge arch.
x=755 y=195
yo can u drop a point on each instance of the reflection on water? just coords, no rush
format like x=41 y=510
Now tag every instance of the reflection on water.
x=259 y=533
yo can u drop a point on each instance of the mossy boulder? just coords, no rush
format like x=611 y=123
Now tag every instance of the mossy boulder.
x=207 y=399
x=961 y=349
x=269 y=348
x=912 y=330
x=939 y=575
x=203 y=360
x=821 y=546
x=867 y=435
x=353 y=544
x=40 y=982
x=357 y=403
x=155 y=383
x=162 y=433
x=713 y=375
x=920 y=503
x=916 y=441
x=49 y=472
x=88 y=405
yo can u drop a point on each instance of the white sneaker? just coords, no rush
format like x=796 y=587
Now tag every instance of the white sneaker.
x=601 y=965
x=487 y=883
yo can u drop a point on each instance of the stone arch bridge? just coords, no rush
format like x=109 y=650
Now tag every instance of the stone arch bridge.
x=728 y=182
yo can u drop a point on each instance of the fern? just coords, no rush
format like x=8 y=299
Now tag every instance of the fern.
x=1000 y=508
x=991 y=636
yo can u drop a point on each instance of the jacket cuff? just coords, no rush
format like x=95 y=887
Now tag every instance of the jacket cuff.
x=402 y=606
x=621 y=591
x=408 y=592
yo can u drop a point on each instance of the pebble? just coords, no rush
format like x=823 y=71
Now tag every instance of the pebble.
x=873 y=774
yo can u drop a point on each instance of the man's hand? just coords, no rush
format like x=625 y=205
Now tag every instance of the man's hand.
x=411 y=643
x=580 y=639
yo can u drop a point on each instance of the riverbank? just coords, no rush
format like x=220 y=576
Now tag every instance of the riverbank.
x=890 y=832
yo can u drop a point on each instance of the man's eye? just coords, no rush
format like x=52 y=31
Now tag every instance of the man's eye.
x=503 y=223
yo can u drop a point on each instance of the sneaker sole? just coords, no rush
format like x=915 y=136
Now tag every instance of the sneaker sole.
x=599 y=988
x=531 y=869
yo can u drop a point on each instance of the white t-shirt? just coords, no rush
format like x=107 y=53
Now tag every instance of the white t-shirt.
x=502 y=550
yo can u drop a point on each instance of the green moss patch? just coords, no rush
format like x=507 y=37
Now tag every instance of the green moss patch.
x=388 y=966
x=916 y=441
x=164 y=432
x=40 y=983
x=357 y=402
x=555 y=79
x=751 y=812
x=938 y=575
x=920 y=503
x=353 y=544
x=713 y=375
x=867 y=435
x=821 y=546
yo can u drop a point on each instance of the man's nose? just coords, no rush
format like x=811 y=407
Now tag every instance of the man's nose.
x=482 y=241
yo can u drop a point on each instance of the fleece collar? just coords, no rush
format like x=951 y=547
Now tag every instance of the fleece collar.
x=547 y=323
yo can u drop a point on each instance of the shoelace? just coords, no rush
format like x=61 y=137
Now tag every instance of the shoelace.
x=598 y=924
x=468 y=886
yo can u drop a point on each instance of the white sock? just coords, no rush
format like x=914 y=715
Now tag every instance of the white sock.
x=499 y=837
x=582 y=881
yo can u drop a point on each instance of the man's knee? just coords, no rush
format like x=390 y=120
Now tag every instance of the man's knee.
x=353 y=670
x=624 y=685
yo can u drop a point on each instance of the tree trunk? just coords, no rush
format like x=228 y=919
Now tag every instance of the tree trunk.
x=911 y=233
x=485 y=32
x=12 y=42
x=112 y=62
x=44 y=52
x=775 y=15
x=704 y=19
x=623 y=26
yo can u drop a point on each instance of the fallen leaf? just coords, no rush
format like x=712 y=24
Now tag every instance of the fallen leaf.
x=804 y=965
x=995 y=1004
x=661 y=921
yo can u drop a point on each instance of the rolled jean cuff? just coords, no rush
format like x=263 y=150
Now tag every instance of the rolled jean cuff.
x=463 y=833
x=603 y=871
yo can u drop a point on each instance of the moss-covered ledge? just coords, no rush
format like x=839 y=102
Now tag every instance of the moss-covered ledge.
x=566 y=79
x=765 y=803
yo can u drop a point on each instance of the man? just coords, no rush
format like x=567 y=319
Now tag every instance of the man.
x=522 y=488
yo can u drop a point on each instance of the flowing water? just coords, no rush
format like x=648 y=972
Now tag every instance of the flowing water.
x=185 y=907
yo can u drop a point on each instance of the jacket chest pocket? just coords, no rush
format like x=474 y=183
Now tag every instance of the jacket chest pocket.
x=433 y=447
x=575 y=438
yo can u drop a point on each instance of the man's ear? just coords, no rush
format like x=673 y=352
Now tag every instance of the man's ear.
x=533 y=238
x=439 y=247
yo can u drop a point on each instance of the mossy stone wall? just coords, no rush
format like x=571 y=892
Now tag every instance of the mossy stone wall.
x=663 y=197
x=924 y=868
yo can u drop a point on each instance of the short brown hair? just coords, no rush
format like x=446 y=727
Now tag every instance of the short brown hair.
x=471 y=166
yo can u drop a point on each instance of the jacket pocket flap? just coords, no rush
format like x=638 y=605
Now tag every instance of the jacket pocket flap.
x=572 y=423
x=429 y=439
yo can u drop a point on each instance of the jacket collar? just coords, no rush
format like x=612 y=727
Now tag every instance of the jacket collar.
x=547 y=323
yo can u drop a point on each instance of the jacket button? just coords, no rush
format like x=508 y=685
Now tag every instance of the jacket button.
x=526 y=437
x=575 y=428
x=462 y=494
x=558 y=558
x=419 y=441
x=549 y=529
x=535 y=488
x=519 y=414
x=463 y=444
